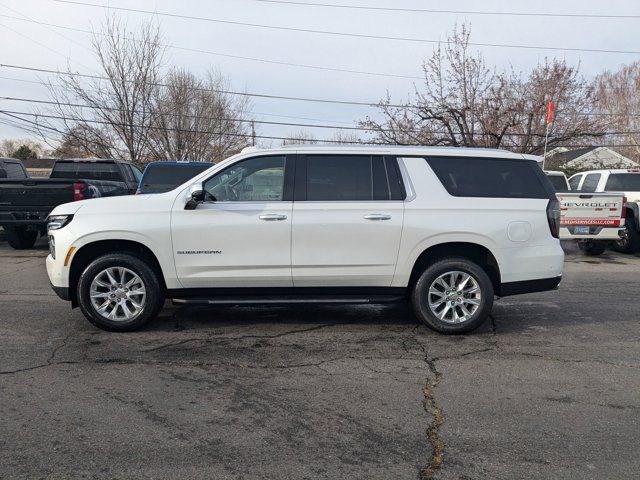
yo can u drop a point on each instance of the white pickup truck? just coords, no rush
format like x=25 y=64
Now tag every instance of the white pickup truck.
x=594 y=220
x=446 y=228
x=625 y=183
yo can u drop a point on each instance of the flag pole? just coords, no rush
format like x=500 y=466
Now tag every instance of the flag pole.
x=549 y=119
x=544 y=155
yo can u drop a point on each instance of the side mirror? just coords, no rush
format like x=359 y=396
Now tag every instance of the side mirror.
x=194 y=197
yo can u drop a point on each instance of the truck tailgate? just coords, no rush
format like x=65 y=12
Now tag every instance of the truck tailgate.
x=35 y=192
x=596 y=216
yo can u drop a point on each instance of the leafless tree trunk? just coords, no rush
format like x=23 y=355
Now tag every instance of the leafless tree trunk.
x=194 y=120
x=115 y=115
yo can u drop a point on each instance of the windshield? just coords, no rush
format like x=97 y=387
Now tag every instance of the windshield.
x=559 y=183
x=624 y=182
x=163 y=178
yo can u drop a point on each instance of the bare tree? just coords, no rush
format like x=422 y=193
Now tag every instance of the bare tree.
x=193 y=119
x=618 y=97
x=8 y=146
x=112 y=117
x=464 y=103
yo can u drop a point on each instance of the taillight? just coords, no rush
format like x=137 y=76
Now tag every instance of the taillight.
x=78 y=191
x=624 y=207
x=553 y=217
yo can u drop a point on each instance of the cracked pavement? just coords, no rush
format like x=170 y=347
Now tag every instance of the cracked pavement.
x=549 y=388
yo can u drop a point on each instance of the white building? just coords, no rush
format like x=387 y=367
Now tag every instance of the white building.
x=588 y=158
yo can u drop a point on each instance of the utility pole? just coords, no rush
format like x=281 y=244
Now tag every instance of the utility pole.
x=253 y=133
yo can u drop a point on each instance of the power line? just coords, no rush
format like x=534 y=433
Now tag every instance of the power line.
x=36 y=82
x=209 y=52
x=265 y=122
x=170 y=114
x=343 y=34
x=37 y=125
x=229 y=92
x=14 y=114
x=457 y=12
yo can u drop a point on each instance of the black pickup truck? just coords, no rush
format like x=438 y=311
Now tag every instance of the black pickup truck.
x=25 y=203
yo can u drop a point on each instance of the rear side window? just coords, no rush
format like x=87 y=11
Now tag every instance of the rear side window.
x=490 y=177
x=623 y=182
x=351 y=178
x=574 y=182
x=14 y=170
x=590 y=183
x=87 y=171
x=162 y=178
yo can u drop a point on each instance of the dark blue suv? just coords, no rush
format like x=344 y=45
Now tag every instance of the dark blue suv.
x=160 y=177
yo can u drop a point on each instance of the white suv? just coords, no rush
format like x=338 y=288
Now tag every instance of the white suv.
x=448 y=228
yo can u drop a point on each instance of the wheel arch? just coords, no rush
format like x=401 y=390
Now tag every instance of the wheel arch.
x=90 y=251
x=472 y=251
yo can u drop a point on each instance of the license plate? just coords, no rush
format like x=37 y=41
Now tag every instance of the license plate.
x=582 y=231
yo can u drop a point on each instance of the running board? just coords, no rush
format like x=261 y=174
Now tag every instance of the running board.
x=257 y=300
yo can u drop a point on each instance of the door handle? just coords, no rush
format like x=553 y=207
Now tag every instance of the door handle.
x=377 y=216
x=270 y=217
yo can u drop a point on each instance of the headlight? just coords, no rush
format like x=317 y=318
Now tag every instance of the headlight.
x=56 y=222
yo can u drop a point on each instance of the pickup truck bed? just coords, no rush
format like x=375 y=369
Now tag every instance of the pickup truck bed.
x=28 y=202
x=25 y=203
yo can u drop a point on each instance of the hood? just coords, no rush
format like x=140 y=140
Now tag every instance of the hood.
x=125 y=203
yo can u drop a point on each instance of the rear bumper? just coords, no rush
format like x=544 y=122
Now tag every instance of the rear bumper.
x=20 y=218
x=596 y=233
x=529 y=286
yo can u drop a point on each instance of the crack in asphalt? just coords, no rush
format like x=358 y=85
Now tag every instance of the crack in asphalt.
x=433 y=432
x=239 y=337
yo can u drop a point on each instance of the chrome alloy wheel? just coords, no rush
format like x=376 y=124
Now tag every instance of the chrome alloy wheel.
x=117 y=294
x=454 y=297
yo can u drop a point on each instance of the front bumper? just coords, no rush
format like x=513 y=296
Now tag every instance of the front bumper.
x=62 y=292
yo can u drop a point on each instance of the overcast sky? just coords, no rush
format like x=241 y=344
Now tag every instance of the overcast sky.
x=34 y=45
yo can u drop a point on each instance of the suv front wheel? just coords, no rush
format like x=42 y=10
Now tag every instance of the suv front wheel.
x=119 y=293
x=453 y=296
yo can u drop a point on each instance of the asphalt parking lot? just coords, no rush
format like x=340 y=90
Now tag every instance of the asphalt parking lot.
x=549 y=389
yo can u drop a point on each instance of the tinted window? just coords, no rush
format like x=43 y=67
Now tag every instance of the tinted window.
x=14 y=170
x=162 y=178
x=258 y=179
x=87 y=171
x=624 y=182
x=136 y=172
x=488 y=177
x=558 y=182
x=574 y=182
x=339 y=178
x=590 y=183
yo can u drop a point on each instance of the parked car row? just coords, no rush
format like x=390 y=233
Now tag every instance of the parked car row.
x=25 y=203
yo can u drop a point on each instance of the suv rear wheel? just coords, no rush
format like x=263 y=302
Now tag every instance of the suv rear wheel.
x=20 y=238
x=453 y=296
x=119 y=293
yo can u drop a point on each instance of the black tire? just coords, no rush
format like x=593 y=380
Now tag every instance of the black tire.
x=591 y=248
x=420 y=295
x=153 y=302
x=20 y=238
x=630 y=243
